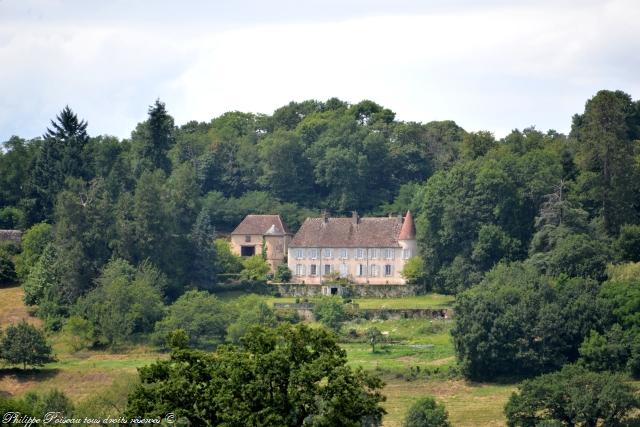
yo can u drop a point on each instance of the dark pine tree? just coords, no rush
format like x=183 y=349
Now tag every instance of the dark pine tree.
x=153 y=139
x=204 y=257
x=60 y=156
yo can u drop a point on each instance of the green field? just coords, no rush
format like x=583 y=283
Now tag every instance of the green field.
x=414 y=360
x=419 y=301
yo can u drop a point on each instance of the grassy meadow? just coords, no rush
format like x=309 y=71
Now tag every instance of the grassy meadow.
x=415 y=358
x=430 y=300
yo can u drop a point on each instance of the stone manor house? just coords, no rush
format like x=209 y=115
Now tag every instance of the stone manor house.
x=368 y=250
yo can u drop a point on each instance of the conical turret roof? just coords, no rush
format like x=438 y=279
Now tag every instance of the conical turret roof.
x=408 y=230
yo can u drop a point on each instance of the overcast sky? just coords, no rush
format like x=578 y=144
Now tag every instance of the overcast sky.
x=488 y=65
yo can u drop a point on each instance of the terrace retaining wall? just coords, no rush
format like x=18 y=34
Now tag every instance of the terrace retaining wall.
x=350 y=290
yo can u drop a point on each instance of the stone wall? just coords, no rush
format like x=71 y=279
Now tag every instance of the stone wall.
x=351 y=290
x=13 y=236
x=407 y=313
x=305 y=311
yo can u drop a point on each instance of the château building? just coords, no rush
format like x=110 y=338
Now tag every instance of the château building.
x=363 y=250
x=262 y=232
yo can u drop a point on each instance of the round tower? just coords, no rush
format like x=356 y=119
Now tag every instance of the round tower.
x=407 y=237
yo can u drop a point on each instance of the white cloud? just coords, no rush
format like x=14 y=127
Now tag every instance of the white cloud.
x=496 y=68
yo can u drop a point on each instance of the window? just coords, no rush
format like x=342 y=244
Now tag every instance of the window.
x=360 y=253
x=313 y=270
x=361 y=270
x=389 y=253
x=299 y=270
x=344 y=253
x=327 y=253
x=388 y=270
x=327 y=269
x=299 y=253
x=313 y=253
x=247 y=239
x=344 y=270
x=247 y=250
x=374 y=270
x=406 y=254
x=374 y=253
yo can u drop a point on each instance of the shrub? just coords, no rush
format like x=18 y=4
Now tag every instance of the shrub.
x=7 y=269
x=34 y=241
x=413 y=271
x=247 y=312
x=177 y=339
x=227 y=261
x=52 y=401
x=79 y=333
x=426 y=412
x=330 y=312
x=255 y=268
x=283 y=274
x=200 y=314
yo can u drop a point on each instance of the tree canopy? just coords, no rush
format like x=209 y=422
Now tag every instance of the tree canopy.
x=290 y=376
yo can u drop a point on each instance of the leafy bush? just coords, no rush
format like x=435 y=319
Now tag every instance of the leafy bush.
x=413 y=271
x=426 y=412
x=228 y=262
x=330 y=312
x=43 y=276
x=78 y=333
x=53 y=400
x=283 y=274
x=255 y=268
x=7 y=269
x=248 y=312
x=200 y=314
x=34 y=242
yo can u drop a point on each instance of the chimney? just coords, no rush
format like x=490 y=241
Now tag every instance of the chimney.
x=355 y=217
x=325 y=216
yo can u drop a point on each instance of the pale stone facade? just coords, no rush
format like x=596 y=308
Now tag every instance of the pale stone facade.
x=362 y=250
x=256 y=232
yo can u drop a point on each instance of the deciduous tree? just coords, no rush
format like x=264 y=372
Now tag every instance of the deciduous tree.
x=24 y=344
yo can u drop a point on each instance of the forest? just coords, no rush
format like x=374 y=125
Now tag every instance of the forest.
x=536 y=235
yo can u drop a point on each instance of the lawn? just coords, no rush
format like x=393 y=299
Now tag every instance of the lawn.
x=419 y=301
x=78 y=378
x=468 y=404
x=406 y=344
